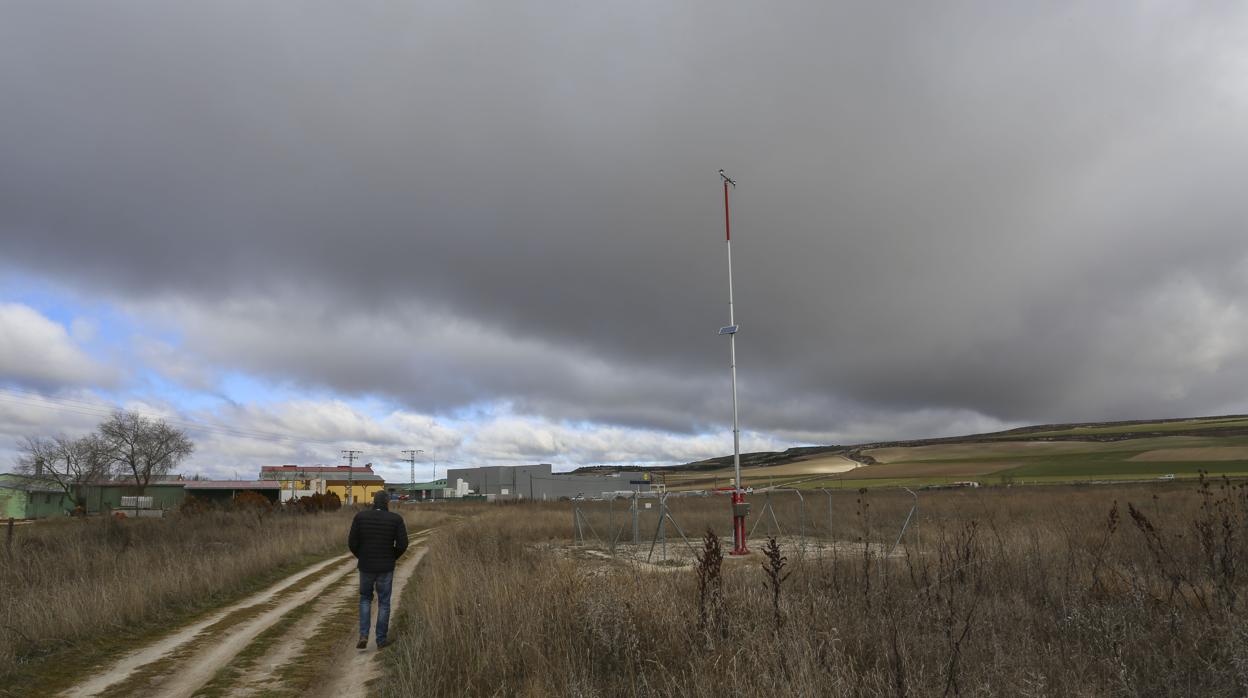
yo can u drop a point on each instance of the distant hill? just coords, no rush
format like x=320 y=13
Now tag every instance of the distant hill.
x=1125 y=449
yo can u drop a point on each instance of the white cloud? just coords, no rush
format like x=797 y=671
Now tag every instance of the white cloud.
x=309 y=431
x=28 y=415
x=509 y=439
x=425 y=358
x=36 y=351
x=177 y=365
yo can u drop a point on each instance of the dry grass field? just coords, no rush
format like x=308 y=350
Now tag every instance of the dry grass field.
x=77 y=592
x=1007 y=461
x=974 y=451
x=1039 y=455
x=761 y=476
x=1054 y=591
x=72 y=585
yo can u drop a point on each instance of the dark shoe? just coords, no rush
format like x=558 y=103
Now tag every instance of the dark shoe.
x=382 y=644
x=362 y=644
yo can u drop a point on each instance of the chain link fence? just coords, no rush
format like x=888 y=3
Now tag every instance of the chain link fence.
x=667 y=526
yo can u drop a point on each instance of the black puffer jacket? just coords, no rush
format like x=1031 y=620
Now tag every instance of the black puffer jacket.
x=378 y=537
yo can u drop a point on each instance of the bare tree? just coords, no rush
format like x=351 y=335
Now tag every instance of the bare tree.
x=72 y=464
x=33 y=456
x=143 y=448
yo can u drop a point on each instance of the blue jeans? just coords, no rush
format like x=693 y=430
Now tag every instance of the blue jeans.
x=382 y=581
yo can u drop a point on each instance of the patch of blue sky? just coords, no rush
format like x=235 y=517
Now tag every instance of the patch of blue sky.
x=155 y=385
x=374 y=407
x=481 y=411
x=246 y=389
x=111 y=328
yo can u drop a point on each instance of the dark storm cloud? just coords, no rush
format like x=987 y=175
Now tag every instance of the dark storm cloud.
x=1018 y=210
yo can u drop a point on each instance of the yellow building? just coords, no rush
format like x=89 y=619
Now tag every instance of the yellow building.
x=363 y=490
x=302 y=481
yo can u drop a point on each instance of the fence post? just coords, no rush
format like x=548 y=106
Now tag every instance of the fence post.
x=611 y=513
x=636 y=519
x=663 y=522
x=825 y=491
x=801 y=522
x=905 y=525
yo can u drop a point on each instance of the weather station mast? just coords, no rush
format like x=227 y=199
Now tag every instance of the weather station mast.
x=740 y=508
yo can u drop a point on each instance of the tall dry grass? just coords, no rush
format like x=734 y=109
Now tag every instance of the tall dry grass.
x=1126 y=590
x=72 y=585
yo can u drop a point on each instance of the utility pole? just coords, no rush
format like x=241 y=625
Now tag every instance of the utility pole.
x=294 y=484
x=350 y=456
x=740 y=509
x=411 y=458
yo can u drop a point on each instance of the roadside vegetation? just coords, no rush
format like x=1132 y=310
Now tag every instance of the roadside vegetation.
x=1053 y=591
x=77 y=591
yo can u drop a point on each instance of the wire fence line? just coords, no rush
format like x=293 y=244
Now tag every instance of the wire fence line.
x=641 y=525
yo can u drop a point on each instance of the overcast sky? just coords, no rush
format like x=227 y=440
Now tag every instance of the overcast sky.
x=494 y=231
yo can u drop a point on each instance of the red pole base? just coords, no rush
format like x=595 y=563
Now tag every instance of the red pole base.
x=739 y=507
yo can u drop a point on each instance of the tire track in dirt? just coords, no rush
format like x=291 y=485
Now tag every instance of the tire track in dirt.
x=187 y=660
x=126 y=666
x=186 y=677
x=355 y=669
x=266 y=676
x=262 y=676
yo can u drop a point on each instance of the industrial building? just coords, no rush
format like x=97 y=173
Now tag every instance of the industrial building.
x=418 y=490
x=538 y=482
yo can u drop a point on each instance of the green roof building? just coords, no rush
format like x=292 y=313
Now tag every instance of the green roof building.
x=418 y=490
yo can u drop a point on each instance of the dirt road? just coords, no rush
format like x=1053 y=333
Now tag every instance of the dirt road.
x=356 y=669
x=296 y=637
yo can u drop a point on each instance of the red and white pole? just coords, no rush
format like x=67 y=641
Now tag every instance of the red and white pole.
x=740 y=509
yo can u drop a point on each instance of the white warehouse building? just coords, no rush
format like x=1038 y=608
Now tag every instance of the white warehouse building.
x=538 y=482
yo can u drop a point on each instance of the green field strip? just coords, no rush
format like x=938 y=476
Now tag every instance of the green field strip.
x=1008 y=479
x=1194 y=425
x=1121 y=468
x=869 y=483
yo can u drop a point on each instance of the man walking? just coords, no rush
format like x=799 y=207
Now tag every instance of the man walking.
x=378 y=537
